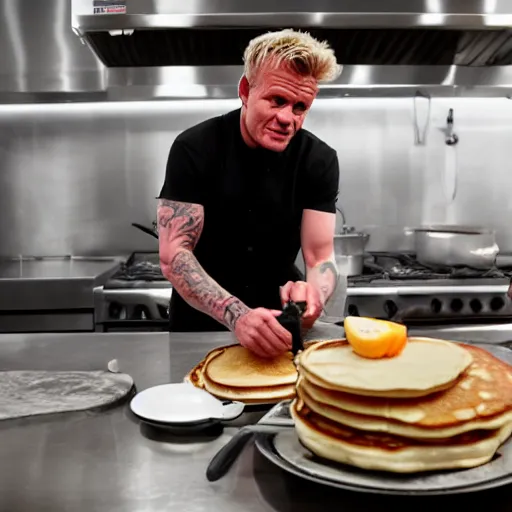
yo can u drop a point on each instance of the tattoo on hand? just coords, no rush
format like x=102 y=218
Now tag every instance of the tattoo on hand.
x=184 y=221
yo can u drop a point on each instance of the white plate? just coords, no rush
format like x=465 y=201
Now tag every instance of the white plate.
x=182 y=404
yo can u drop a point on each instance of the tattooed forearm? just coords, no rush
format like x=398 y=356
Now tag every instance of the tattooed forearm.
x=202 y=292
x=234 y=310
x=180 y=225
x=181 y=222
x=324 y=277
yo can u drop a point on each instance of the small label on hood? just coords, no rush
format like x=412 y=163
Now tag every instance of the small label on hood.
x=109 y=6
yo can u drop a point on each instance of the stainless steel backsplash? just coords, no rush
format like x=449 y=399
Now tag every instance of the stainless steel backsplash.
x=74 y=176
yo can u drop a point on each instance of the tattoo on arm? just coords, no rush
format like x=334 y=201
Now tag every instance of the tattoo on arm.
x=325 y=277
x=180 y=225
x=233 y=311
x=181 y=222
x=202 y=292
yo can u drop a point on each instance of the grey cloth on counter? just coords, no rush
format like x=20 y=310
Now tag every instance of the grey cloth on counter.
x=30 y=393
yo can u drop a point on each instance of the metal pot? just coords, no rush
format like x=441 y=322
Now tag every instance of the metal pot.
x=454 y=246
x=349 y=264
x=349 y=248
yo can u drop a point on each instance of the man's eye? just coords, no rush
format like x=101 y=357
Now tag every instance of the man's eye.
x=299 y=108
x=278 y=101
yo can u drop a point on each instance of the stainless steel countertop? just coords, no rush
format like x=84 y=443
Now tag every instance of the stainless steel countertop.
x=52 y=283
x=107 y=462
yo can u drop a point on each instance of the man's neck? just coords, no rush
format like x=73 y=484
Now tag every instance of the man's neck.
x=249 y=141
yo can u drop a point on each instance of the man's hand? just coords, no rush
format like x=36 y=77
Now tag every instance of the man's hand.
x=300 y=291
x=260 y=332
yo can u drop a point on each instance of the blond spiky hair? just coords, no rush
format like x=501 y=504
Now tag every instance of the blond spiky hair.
x=302 y=52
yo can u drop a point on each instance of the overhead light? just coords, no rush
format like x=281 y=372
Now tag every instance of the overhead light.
x=498 y=20
x=318 y=18
x=490 y=6
x=434 y=6
x=431 y=19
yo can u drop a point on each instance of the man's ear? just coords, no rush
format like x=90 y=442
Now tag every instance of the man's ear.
x=243 y=90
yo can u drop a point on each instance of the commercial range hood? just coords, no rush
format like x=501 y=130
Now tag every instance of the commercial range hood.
x=381 y=43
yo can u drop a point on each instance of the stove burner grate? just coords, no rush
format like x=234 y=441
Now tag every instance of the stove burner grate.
x=139 y=271
x=403 y=267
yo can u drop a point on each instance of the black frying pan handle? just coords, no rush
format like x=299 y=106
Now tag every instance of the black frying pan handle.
x=227 y=455
x=147 y=230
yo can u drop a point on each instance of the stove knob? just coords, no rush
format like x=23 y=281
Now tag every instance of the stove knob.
x=352 y=310
x=497 y=303
x=116 y=311
x=456 y=305
x=436 y=305
x=390 y=308
x=475 y=305
x=163 y=311
x=141 y=313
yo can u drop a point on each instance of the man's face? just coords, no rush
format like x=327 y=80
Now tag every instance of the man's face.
x=275 y=106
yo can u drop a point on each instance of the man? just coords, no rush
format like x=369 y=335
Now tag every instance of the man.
x=243 y=192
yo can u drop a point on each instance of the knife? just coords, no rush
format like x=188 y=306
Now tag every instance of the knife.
x=272 y=423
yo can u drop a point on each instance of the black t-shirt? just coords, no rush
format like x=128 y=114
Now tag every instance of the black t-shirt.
x=253 y=201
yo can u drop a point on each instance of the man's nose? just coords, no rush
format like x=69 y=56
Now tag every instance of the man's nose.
x=285 y=115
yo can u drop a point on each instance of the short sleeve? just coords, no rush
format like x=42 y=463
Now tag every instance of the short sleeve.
x=322 y=188
x=183 y=175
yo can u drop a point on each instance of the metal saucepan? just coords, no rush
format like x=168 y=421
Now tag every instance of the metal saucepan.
x=456 y=246
x=349 y=248
x=152 y=232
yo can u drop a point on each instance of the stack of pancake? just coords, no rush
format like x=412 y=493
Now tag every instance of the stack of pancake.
x=235 y=373
x=437 y=405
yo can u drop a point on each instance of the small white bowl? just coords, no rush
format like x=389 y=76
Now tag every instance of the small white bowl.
x=182 y=404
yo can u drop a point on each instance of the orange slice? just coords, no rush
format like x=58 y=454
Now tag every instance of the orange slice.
x=374 y=338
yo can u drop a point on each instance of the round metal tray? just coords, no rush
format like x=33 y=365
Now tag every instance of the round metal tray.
x=285 y=451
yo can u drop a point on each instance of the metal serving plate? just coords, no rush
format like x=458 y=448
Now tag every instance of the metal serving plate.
x=285 y=451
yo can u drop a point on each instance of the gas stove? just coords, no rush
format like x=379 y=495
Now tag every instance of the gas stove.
x=392 y=286
x=135 y=298
x=396 y=286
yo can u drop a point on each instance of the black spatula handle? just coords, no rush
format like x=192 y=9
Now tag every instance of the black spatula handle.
x=227 y=455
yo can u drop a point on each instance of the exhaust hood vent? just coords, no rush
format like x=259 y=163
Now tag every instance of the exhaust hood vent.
x=207 y=46
x=180 y=49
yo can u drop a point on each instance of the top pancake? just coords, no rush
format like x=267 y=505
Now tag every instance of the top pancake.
x=236 y=366
x=426 y=365
x=195 y=375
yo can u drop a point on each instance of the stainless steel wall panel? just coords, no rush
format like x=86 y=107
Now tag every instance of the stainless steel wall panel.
x=73 y=177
